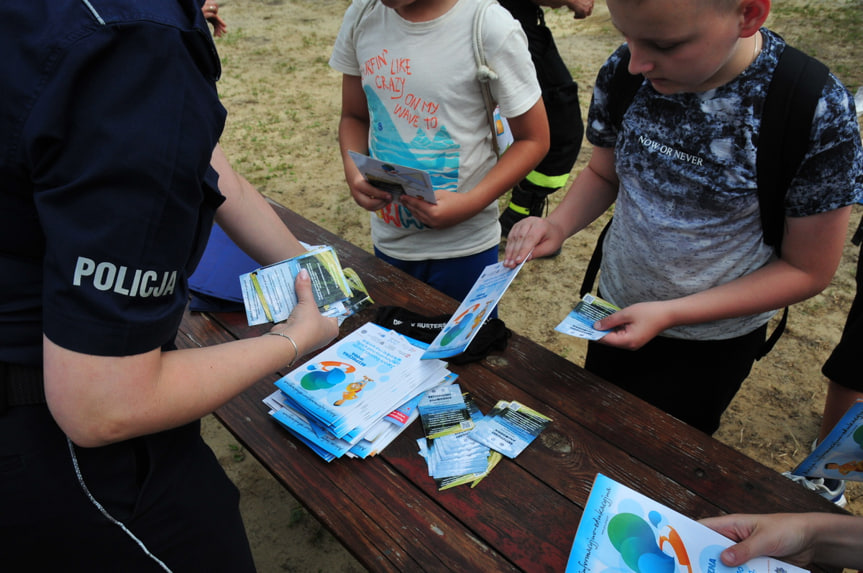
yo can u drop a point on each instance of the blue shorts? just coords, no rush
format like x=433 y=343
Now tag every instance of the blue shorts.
x=454 y=277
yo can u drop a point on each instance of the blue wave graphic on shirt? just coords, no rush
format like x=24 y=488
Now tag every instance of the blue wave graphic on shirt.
x=438 y=156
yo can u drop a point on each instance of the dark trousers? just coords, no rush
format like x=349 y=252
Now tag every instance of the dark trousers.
x=559 y=94
x=844 y=365
x=168 y=489
x=692 y=380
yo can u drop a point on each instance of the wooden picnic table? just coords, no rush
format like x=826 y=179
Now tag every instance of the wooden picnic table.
x=387 y=511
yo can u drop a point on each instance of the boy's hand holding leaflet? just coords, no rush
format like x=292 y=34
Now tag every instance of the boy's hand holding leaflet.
x=634 y=326
x=397 y=180
x=584 y=320
x=465 y=323
x=450 y=210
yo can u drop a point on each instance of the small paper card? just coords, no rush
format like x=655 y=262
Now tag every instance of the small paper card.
x=579 y=322
x=509 y=428
x=395 y=179
x=443 y=411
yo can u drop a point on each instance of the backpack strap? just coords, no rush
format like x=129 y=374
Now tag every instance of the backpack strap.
x=484 y=73
x=594 y=263
x=786 y=122
x=622 y=88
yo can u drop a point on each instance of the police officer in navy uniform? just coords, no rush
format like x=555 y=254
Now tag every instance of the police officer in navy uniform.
x=109 y=125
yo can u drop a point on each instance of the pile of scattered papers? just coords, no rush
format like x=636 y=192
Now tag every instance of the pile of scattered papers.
x=463 y=446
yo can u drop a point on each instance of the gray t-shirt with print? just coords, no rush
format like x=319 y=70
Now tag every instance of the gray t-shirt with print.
x=686 y=217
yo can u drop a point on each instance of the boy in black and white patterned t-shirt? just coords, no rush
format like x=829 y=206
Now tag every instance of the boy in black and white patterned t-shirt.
x=684 y=257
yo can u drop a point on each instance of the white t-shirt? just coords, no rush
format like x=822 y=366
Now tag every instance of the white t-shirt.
x=426 y=110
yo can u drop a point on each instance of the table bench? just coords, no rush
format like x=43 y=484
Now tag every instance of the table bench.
x=387 y=511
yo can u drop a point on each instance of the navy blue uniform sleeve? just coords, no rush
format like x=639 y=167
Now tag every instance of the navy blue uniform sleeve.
x=119 y=145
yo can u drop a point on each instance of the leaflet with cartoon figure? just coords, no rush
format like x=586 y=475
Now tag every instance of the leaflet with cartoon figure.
x=463 y=326
x=360 y=379
x=840 y=454
x=579 y=322
x=268 y=292
x=624 y=531
x=357 y=384
x=395 y=179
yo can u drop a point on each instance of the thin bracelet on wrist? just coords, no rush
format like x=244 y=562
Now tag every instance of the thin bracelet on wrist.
x=296 y=348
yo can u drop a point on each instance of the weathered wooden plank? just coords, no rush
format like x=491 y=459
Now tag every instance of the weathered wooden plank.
x=720 y=474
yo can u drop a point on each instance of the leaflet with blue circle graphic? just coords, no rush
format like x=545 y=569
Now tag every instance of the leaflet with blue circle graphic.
x=623 y=531
x=360 y=378
x=464 y=324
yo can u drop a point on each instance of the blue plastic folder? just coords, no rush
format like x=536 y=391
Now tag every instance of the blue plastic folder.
x=215 y=284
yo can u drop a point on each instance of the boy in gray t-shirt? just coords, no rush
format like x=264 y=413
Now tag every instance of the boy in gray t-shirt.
x=684 y=257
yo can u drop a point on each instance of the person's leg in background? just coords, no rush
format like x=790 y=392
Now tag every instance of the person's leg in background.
x=845 y=386
x=560 y=96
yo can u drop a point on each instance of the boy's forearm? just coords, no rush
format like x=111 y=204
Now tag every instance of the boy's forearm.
x=811 y=250
x=837 y=539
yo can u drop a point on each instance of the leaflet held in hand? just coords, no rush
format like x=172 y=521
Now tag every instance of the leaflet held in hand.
x=624 y=531
x=269 y=295
x=395 y=179
x=464 y=324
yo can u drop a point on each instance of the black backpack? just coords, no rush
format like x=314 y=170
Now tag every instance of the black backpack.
x=786 y=122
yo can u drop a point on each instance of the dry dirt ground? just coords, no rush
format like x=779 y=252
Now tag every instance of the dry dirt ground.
x=283 y=104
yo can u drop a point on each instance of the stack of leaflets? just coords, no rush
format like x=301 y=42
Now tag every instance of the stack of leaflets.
x=453 y=458
x=579 y=322
x=840 y=454
x=269 y=296
x=463 y=446
x=622 y=530
x=356 y=396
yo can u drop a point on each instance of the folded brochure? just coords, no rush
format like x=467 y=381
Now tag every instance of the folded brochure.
x=395 y=179
x=840 y=454
x=624 y=531
x=464 y=324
